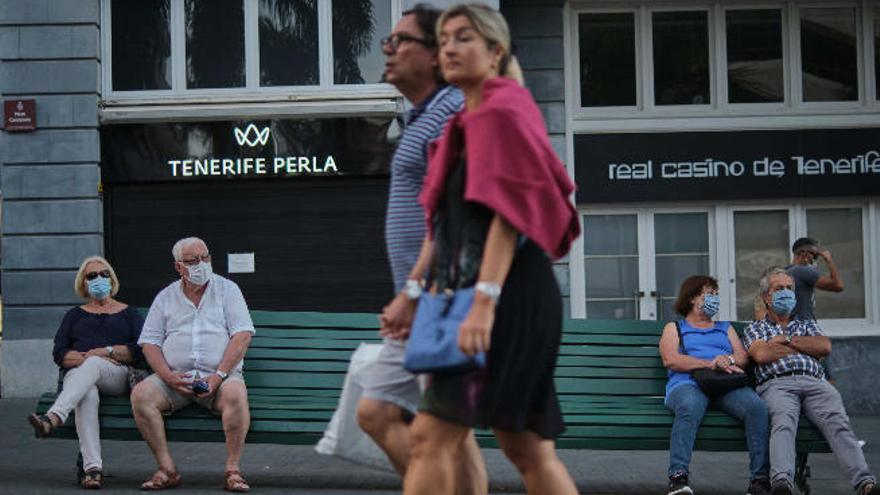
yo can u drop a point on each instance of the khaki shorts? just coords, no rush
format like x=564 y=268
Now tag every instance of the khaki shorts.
x=178 y=400
x=386 y=380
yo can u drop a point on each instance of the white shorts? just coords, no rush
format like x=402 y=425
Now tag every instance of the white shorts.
x=178 y=400
x=386 y=380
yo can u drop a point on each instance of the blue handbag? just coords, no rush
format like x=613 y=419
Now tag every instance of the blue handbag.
x=433 y=342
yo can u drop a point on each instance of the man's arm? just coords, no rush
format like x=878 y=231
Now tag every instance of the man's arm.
x=833 y=283
x=817 y=346
x=764 y=352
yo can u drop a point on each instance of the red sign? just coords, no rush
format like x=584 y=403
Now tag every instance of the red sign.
x=20 y=115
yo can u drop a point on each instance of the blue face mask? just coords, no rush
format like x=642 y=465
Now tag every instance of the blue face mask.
x=783 y=302
x=99 y=287
x=711 y=303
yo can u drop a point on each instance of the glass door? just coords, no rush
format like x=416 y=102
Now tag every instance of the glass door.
x=761 y=242
x=634 y=262
x=681 y=249
x=611 y=266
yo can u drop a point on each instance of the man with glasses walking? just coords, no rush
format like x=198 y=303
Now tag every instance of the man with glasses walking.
x=391 y=394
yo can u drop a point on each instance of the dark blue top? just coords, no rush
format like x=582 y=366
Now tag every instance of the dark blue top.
x=82 y=331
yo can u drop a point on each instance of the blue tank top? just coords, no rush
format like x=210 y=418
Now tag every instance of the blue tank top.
x=702 y=343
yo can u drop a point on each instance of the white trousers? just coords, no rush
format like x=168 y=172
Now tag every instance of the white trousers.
x=81 y=394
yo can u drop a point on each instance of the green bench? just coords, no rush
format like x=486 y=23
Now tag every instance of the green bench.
x=609 y=379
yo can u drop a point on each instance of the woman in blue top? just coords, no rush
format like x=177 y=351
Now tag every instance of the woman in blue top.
x=712 y=345
x=95 y=346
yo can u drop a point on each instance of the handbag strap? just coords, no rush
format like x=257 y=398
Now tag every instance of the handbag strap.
x=681 y=349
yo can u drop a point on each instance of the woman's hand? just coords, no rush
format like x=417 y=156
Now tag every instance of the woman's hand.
x=396 y=318
x=100 y=352
x=72 y=359
x=475 y=333
x=721 y=362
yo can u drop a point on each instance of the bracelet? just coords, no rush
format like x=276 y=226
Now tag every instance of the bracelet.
x=492 y=290
x=412 y=289
x=731 y=359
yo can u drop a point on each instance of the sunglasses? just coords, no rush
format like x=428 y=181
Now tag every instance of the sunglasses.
x=94 y=275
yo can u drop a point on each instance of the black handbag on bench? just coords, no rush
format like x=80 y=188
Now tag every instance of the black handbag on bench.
x=713 y=383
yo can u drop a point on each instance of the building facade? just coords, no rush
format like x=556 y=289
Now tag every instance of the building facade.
x=704 y=136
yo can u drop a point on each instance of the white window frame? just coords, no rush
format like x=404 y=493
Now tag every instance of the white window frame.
x=724 y=86
x=721 y=249
x=646 y=250
x=721 y=115
x=252 y=91
x=797 y=61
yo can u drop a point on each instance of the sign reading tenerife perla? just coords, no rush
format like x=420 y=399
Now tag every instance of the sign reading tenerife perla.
x=245 y=149
x=682 y=166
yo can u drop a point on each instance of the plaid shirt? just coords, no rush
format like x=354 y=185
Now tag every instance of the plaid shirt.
x=800 y=362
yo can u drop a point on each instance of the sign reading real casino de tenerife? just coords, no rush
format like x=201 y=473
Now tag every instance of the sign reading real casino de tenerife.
x=236 y=150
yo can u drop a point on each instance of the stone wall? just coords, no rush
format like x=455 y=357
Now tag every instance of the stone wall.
x=52 y=215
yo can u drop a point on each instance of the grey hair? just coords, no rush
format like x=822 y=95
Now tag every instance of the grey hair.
x=765 y=280
x=177 y=250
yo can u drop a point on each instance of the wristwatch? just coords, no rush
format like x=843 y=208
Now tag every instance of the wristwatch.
x=109 y=350
x=491 y=289
x=412 y=289
x=222 y=374
x=788 y=339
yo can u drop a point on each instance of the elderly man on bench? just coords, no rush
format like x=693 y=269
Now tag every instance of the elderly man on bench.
x=195 y=337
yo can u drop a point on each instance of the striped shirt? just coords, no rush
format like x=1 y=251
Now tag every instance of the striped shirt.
x=405 y=220
x=795 y=362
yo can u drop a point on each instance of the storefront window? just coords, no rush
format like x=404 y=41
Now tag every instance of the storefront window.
x=141 y=45
x=840 y=231
x=608 y=59
x=288 y=42
x=357 y=28
x=681 y=58
x=754 y=56
x=761 y=242
x=681 y=243
x=611 y=265
x=214 y=27
x=829 y=54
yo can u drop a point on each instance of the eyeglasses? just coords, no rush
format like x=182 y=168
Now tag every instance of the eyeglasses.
x=195 y=260
x=94 y=275
x=395 y=40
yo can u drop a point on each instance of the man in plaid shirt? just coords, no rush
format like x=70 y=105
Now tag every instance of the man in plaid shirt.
x=786 y=352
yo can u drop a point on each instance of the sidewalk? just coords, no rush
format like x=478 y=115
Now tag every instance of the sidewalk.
x=29 y=466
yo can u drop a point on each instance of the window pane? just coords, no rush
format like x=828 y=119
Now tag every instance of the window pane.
x=761 y=240
x=610 y=234
x=681 y=58
x=877 y=50
x=681 y=243
x=611 y=265
x=754 y=56
x=840 y=231
x=358 y=25
x=611 y=310
x=214 y=44
x=141 y=45
x=608 y=59
x=829 y=55
x=288 y=42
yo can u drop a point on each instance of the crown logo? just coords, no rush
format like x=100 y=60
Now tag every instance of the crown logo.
x=252 y=136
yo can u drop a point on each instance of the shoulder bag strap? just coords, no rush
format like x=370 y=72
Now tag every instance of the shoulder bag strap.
x=680 y=338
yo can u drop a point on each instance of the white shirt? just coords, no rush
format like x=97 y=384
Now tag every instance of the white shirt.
x=195 y=338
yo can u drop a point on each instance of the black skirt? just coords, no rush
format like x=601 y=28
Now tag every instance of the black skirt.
x=515 y=391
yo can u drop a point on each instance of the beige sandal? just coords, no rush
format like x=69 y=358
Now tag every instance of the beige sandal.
x=236 y=483
x=42 y=425
x=162 y=480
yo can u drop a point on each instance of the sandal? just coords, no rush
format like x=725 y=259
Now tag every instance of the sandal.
x=92 y=479
x=42 y=425
x=162 y=480
x=236 y=483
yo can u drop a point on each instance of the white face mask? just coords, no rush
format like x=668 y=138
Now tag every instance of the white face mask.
x=199 y=274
